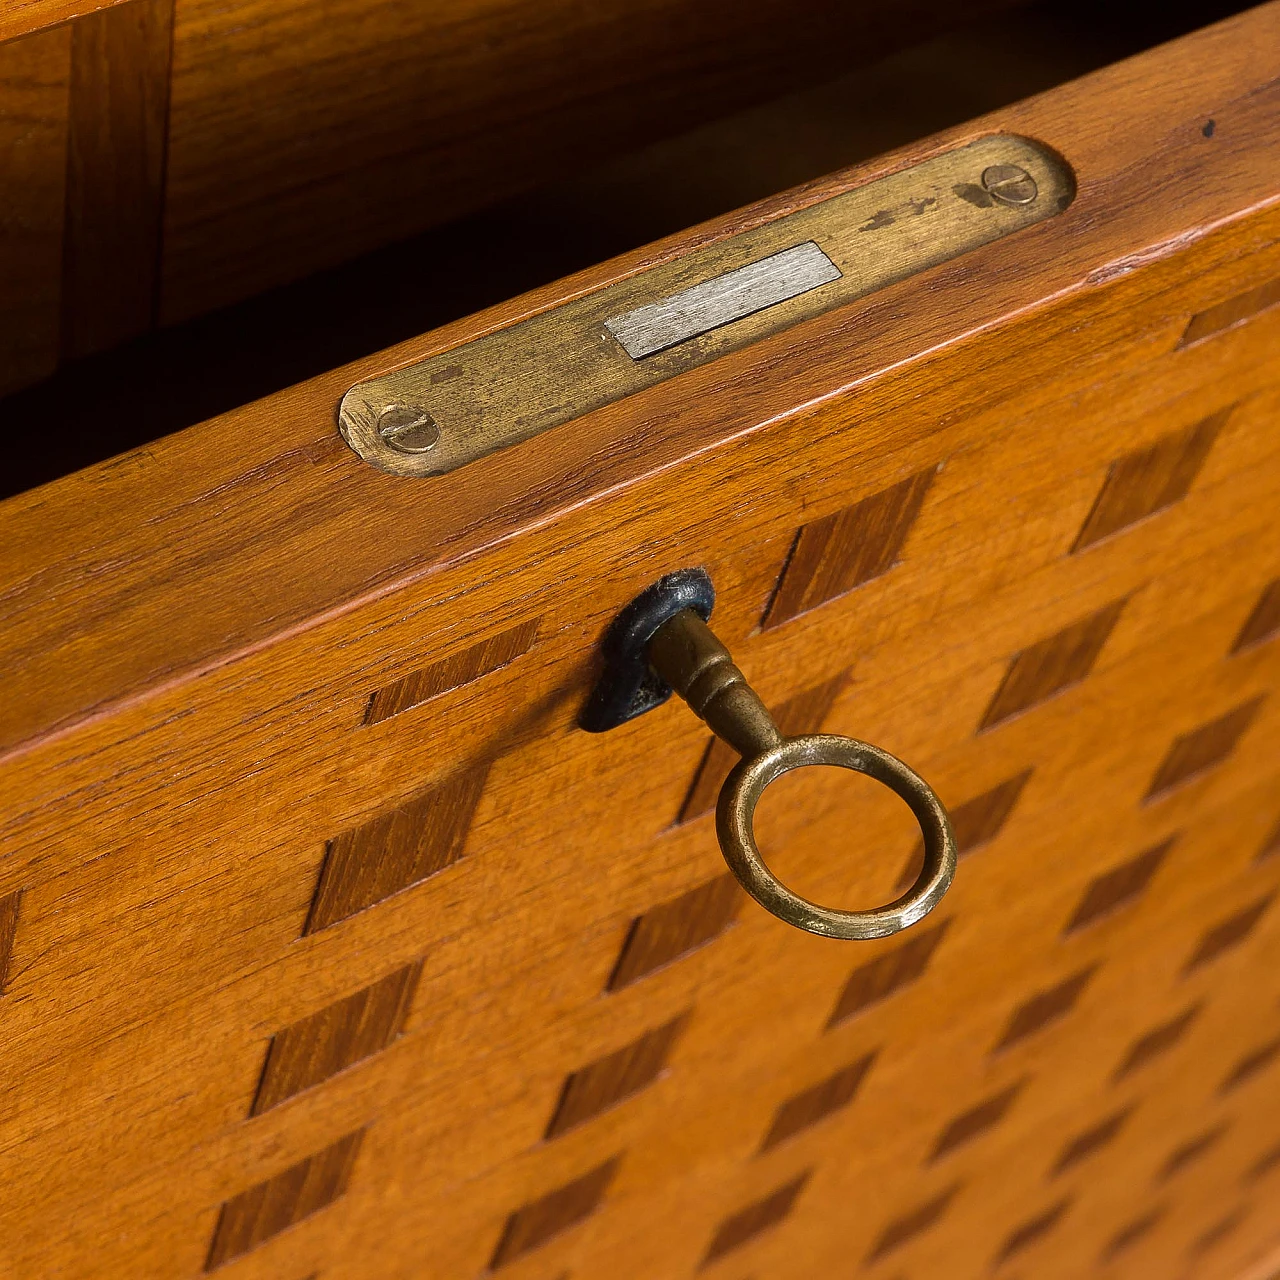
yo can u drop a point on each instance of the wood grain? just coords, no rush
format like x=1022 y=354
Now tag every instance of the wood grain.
x=395 y=851
x=974 y=823
x=536 y=1223
x=1226 y=315
x=1118 y=887
x=1265 y=1163
x=816 y=1103
x=1142 y=483
x=745 y=1225
x=979 y=821
x=450 y=673
x=717 y=760
x=25 y=17
x=1159 y=1040
x=802 y=713
x=34 y=78
x=119 y=103
x=1254 y=1062
x=360 y=129
x=259 y=1213
x=1188 y=1152
x=945 y=976
x=1052 y=664
x=1218 y=1231
x=612 y=1079
x=877 y=979
x=1228 y=933
x=672 y=929
x=919 y=1220
x=1029 y=1232
x=1131 y=1233
x=10 y=910
x=1202 y=749
x=1263 y=623
x=841 y=551
x=1091 y=1141
x=314 y=129
x=1043 y=1008
x=1075 y=842
x=1271 y=845
x=976 y=1121
x=311 y=1050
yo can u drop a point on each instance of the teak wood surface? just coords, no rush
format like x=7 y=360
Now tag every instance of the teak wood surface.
x=333 y=948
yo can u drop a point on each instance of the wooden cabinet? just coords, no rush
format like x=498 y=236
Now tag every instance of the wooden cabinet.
x=334 y=947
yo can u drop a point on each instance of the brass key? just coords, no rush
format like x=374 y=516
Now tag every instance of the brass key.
x=662 y=640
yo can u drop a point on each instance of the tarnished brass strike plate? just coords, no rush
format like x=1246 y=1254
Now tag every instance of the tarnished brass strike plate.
x=511 y=384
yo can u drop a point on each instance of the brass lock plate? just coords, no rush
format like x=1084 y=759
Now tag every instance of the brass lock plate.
x=509 y=385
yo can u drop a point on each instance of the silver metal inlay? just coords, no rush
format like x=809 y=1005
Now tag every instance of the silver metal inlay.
x=723 y=299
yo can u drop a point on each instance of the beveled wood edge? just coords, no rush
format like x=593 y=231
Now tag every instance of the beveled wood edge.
x=21 y=18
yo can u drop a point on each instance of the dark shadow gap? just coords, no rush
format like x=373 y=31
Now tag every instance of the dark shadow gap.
x=98 y=407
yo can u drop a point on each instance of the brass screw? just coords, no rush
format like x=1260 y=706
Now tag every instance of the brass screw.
x=1009 y=184
x=408 y=429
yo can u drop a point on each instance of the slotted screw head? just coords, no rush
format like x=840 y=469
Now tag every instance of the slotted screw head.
x=1009 y=184
x=408 y=429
